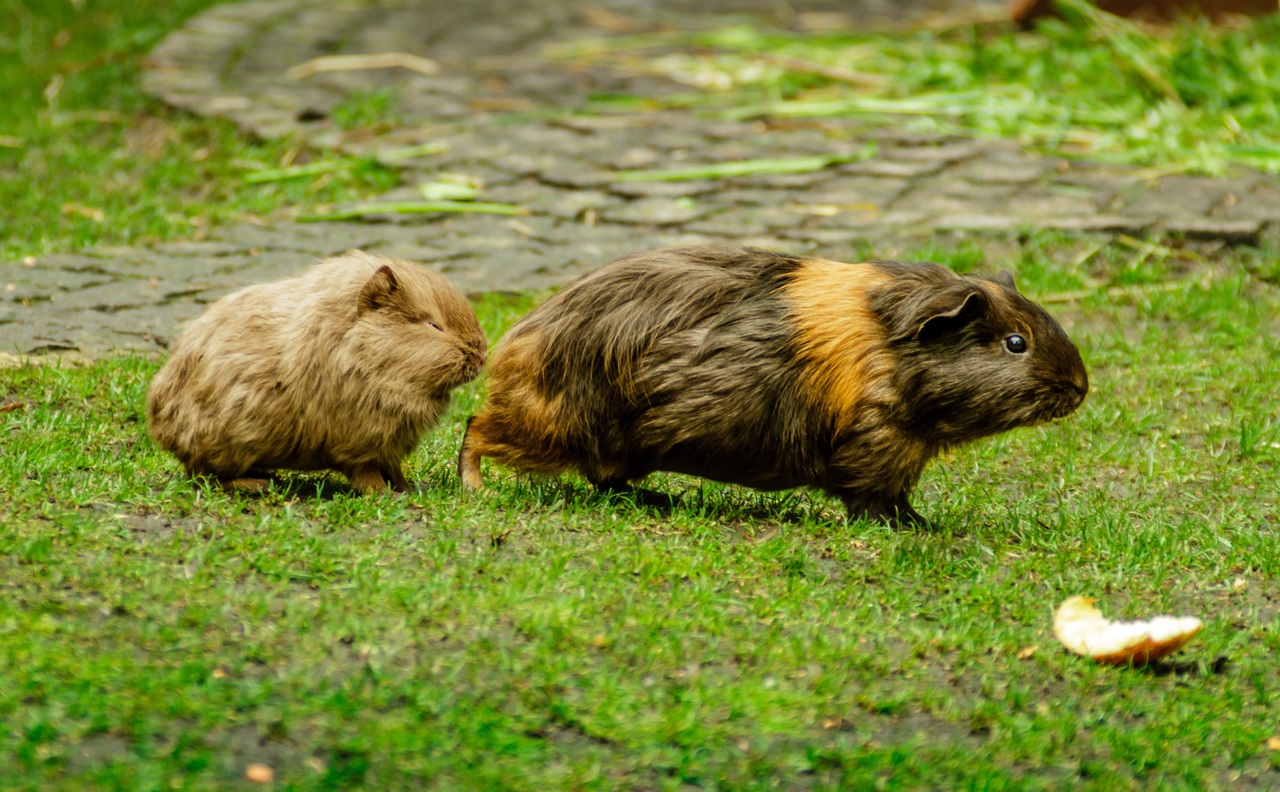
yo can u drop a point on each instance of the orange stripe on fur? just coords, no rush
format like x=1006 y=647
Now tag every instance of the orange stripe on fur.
x=840 y=340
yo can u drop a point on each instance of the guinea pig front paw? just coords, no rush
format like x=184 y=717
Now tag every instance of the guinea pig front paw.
x=395 y=477
x=245 y=485
x=366 y=479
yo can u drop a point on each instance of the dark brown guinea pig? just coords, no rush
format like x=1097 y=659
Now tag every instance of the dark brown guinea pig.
x=344 y=367
x=771 y=371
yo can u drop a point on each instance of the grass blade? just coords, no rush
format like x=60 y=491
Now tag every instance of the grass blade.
x=300 y=171
x=752 y=167
x=415 y=207
x=386 y=158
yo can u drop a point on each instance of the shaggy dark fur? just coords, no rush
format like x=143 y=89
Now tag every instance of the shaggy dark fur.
x=772 y=371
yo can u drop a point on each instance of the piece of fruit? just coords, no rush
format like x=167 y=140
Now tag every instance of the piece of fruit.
x=1084 y=630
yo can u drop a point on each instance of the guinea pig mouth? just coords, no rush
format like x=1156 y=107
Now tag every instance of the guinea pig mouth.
x=461 y=371
x=1063 y=402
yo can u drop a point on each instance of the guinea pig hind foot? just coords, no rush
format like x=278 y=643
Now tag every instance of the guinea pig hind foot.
x=469 y=462
x=642 y=496
x=896 y=514
x=469 y=470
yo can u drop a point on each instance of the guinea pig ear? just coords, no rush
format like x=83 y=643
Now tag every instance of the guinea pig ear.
x=378 y=291
x=949 y=311
x=1005 y=279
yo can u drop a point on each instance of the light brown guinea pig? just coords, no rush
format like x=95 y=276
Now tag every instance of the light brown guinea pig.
x=344 y=367
x=771 y=371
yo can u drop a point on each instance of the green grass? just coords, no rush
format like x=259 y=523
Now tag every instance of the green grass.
x=86 y=158
x=1188 y=98
x=159 y=633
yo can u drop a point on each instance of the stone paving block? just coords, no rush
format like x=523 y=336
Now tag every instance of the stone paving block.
x=35 y=332
x=542 y=229
x=524 y=163
x=864 y=218
x=155 y=327
x=824 y=239
x=902 y=169
x=438 y=103
x=895 y=219
x=490 y=180
x=472 y=233
x=742 y=221
x=113 y=296
x=1235 y=231
x=26 y=284
x=635 y=158
x=1259 y=202
x=113 y=258
x=264 y=267
x=70 y=262
x=1031 y=205
x=514 y=271
x=289 y=236
x=527 y=192
x=1184 y=196
x=660 y=211
x=1108 y=186
x=577 y=179
x=986 y=171
x=845 y=190
x=547 y=139
x=785 y=181
x=942 y=151
x=982 y=222
x=574 y=205
x=732 y=194
x=956 y=196
x=799 y=245
x=679 y=139
x=1101 y=223
x=208 y=248
x=106 y=262
x=666 y=189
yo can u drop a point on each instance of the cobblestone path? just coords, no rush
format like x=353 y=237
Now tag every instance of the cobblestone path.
x=234 y=61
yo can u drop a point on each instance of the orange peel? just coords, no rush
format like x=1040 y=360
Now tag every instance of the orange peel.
x=1085 y=631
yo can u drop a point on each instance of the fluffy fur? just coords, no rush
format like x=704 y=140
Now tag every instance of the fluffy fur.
x=343 y=368
x=769 y=370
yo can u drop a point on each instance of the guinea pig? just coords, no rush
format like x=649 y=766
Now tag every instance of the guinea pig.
x=771 y=371
x=344 y=367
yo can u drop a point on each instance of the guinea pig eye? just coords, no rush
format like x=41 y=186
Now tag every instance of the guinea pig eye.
x=1015 y=344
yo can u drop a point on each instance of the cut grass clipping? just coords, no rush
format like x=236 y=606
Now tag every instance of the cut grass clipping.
x=1187 y=98
x=383 y=159
x=753 y=167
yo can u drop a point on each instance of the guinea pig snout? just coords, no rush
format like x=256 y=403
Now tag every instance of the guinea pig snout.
x=1071 y=393
x=1076 y=385
x=1081 y=383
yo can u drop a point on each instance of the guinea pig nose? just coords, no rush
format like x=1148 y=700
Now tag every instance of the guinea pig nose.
x=1081 y=382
